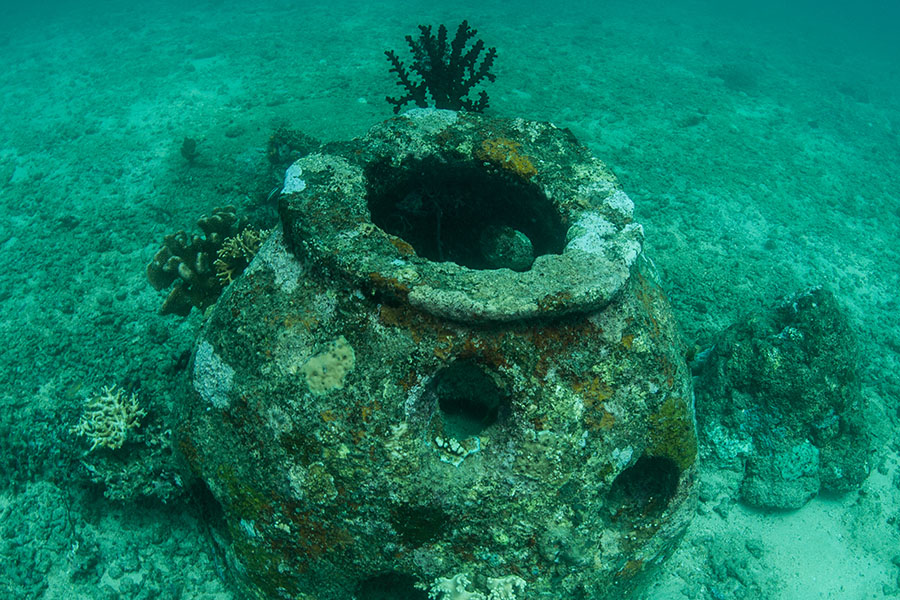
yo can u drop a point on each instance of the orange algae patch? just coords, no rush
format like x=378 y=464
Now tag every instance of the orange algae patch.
x=504 y=153
x=366 y=411
x=391 y=283
x=404 y=248
x=594 y=393
x=445 y=348
x=631 y=568
x=555 y=302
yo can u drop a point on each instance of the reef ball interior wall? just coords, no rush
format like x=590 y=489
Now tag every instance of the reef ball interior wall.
x=453 y=374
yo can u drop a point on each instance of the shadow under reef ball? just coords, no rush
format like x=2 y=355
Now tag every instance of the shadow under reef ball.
x=452 y=374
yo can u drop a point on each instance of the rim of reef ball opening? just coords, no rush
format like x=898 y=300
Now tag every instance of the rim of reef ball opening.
x=327 y=218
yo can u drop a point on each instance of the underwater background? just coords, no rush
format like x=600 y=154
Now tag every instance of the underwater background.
x=760 y=144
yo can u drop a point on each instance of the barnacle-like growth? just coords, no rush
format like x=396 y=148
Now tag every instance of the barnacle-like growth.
x=187 y=263
x=446 y=71
x=108 y=417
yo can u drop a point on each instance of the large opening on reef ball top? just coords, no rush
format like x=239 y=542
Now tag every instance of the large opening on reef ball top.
x=460 y=212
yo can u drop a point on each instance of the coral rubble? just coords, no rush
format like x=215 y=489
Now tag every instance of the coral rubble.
x=779 y=401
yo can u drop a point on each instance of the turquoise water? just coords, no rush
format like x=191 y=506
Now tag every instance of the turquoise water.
x=759 y=144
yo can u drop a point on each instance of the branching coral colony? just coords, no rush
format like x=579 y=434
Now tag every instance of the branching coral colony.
x=199 y=267
x=108 y=417
x=446 y=70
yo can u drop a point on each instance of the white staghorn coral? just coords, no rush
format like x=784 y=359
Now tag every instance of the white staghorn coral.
x=108 y=417
x=453 y=588
x=456 y=588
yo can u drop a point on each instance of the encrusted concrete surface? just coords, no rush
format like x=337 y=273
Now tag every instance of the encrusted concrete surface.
x=376 y=409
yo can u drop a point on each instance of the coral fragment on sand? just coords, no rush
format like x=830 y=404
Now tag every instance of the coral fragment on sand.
x=108 y=417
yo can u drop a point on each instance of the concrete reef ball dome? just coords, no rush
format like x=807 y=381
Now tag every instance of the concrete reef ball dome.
x=452 y=374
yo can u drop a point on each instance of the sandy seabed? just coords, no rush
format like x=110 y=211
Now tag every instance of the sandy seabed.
x=762 y=158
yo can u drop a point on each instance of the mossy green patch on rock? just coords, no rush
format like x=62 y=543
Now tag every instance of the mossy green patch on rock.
x=672 y=433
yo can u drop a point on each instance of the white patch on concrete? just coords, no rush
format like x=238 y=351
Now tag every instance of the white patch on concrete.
x=620 y=202
x=431 y=120
x=591 y=233
x=213 y=377
x=286 y=269
x=292 y=181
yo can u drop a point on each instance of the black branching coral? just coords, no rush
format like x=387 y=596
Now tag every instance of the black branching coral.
x=445 y=71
